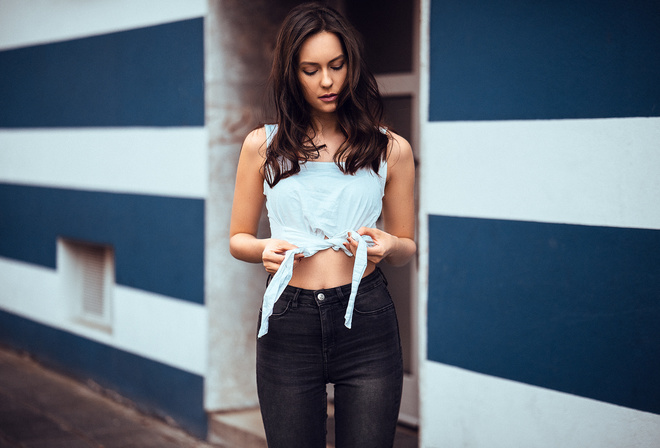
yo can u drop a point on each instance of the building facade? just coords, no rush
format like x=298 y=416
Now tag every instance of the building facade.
x=529 y=317
x=540 y=215
x=103 y=185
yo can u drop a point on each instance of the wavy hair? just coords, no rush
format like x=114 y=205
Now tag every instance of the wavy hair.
x=359 y=104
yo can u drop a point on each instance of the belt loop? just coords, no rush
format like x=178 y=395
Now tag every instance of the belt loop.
x=382 y=275
x=294 y=302
x=340 y=293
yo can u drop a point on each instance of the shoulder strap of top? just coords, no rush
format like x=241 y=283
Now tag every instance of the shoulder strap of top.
x=271 y=130
x=383 y=164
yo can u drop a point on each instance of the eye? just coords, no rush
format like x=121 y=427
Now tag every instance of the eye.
x=310 y=73
x=337 y=68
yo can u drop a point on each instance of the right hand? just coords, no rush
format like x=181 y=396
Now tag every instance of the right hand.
x=273 y=254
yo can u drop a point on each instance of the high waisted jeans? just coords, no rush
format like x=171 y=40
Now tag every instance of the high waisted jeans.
x=308 y=346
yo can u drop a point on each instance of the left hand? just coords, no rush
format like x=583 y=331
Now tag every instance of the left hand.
x=384 y=244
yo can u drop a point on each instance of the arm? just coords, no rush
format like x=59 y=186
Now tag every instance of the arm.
x=246 y=209
x=395 y=243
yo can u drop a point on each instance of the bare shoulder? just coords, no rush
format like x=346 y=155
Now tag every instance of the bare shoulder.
x=254 y=144
x=399 y=151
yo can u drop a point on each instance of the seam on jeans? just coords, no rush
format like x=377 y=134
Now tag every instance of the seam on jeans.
x=294 y=301
x=370 y=287
x=382 y=275
x=378 y=311
x=324 y=348
x=382 y=309
x=340 y=293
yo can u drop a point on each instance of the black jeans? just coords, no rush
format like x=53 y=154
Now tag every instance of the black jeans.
x=308 y=346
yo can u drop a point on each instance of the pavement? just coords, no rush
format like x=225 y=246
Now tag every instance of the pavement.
x=40 y=408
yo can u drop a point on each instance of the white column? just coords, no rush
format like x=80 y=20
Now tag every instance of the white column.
x=239 y=37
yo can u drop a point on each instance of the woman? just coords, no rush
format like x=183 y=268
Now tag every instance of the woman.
x=327 y=170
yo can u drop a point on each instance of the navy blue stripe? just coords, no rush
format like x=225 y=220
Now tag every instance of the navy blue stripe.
x=507 y=59
x=158 y=241
x=153 y=386
x=144 y=77
x=565 y=307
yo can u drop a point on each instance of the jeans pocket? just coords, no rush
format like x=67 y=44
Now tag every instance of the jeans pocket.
x=374 y=301
x=281 y=307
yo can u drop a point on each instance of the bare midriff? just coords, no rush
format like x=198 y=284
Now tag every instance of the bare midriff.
x=326 y=269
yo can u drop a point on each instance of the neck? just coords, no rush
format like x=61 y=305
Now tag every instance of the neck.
x=325 y=124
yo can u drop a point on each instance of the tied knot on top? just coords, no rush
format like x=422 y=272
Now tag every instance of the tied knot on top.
x=281 y=279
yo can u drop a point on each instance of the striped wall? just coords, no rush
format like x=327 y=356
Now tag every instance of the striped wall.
x=540 y=224
x=115 y=79
x=510 y=60
x=102 y=139
x=158 y=241
x=567 y=307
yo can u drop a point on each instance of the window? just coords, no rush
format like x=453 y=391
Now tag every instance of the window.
x=88 y=274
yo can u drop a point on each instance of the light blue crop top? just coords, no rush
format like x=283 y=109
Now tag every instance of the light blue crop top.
x=317 y=209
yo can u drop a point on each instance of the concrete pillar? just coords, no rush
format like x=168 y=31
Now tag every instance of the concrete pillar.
x=239 y=38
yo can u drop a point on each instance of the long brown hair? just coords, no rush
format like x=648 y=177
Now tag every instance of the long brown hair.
x=359 y=104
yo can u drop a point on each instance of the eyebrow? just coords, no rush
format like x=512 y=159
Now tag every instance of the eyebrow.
x=341 y=56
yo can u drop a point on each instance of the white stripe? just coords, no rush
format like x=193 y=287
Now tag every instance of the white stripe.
x=463 y=408
x=160 y=161
x=159 y=327
x=156 y=327
x=33 y=22
x=593 y=172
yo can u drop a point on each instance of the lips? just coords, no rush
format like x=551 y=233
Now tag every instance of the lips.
x=329 y=97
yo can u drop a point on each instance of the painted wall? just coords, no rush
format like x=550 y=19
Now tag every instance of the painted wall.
x=540 y=224
x=103 y=139
x=235 y=79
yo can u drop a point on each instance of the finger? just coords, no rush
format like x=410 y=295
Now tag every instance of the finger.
x=374 y=234
x=272 y=258
x=287 y=246
x=365 y=231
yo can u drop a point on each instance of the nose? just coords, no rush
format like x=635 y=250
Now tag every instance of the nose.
x=326 y=79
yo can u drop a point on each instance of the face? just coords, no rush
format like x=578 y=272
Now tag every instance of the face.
x=322 y=71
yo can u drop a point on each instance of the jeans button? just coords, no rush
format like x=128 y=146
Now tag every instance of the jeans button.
x=320 y=296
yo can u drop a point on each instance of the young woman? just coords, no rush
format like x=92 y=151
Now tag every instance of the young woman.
x=327 y=169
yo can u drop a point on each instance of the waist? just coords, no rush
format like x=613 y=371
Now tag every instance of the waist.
x=326 y=268
x=284 y=274
x=335 y=294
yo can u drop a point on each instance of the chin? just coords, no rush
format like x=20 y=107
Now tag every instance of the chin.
x=327 y=109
